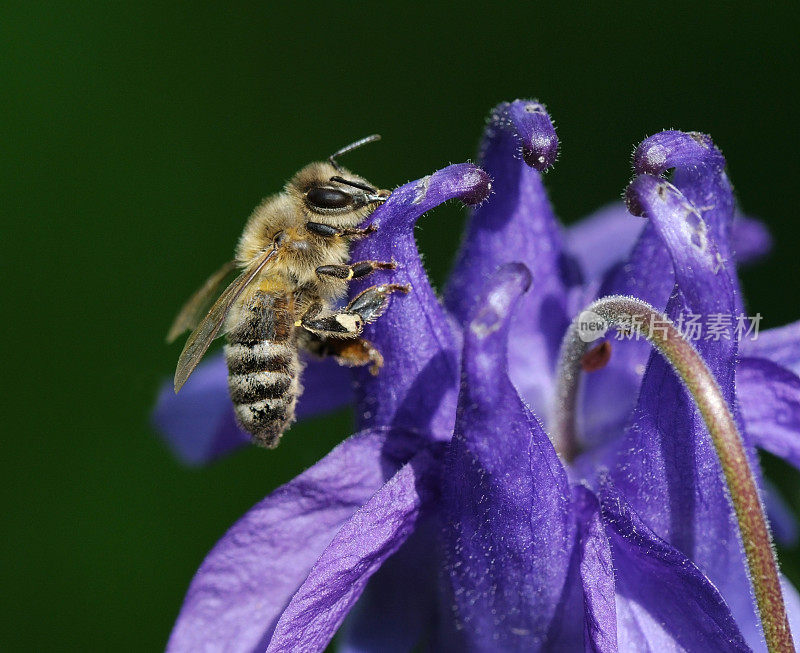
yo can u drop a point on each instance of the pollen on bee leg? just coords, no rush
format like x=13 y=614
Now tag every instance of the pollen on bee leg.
x=597 y=357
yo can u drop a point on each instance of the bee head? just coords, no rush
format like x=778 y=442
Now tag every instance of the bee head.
x=325 y=191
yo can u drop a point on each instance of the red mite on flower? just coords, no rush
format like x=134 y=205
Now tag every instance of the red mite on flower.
x=487 y=505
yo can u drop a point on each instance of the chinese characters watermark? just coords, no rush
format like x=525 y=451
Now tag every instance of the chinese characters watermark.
x=715 y=326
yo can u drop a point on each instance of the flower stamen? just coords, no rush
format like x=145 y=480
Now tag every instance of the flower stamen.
x=597 y=357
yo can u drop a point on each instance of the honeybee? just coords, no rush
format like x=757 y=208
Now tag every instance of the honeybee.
x=295 y=264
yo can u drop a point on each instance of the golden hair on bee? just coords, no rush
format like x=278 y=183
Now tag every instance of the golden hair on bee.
x=294 y=257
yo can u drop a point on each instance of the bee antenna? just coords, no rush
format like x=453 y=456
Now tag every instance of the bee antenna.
x=350 y=148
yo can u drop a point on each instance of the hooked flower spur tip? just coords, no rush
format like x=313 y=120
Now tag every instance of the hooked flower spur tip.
x=480 y=184
x=463 y=181
x=508 y=284
x=676 y=149
x=534 y=128
x=633 y=203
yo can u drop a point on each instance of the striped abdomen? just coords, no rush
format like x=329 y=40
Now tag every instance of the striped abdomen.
x=263 y=368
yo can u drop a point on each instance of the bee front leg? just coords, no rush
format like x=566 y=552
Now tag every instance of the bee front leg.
x=354 y=271
x=329 y=231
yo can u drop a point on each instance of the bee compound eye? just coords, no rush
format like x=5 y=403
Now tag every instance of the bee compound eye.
x=328 y=198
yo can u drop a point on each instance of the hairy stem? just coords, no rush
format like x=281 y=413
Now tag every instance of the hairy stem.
x=701 y=385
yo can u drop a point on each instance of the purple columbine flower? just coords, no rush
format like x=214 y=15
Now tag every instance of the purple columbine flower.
x=450 y=518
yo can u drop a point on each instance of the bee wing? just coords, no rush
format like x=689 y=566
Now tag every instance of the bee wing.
x=192 y=311
x=209 y=327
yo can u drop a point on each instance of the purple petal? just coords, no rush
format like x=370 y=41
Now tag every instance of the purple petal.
x=702 y=275
x=603 y=239
x=517 y=224
x=398 y=609
x=609 y=395
x=508 y=532
x=769 y=398
x=667 y=466
x=416 y=388
x=640 y=593
x=699 y=172
x=663 y=601
x=597 y=575
x=750 y=239
x=648 y=271
x=199 y=425
x=781 y=345
x=365 y=541
x=792 y=602
x=247 y=580
x=782 y=520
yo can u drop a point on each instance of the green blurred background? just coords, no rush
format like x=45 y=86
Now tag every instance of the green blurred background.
x=138 y=137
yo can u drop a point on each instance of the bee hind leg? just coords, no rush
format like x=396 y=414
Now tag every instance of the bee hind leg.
x=348 y=352
x=357 y=352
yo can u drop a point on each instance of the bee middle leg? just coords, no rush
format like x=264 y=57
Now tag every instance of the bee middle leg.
x=354 y=271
